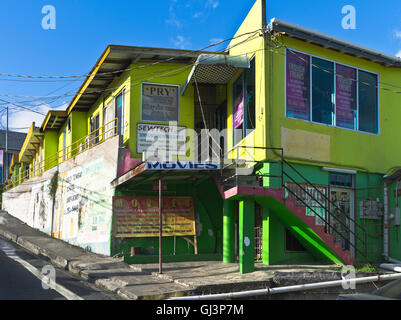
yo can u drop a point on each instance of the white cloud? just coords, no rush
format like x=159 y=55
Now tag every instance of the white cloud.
x=172 y=16
x=213 y=4
x=397 y=34
x=398 y=55
x=181 y=42
x=20 y=119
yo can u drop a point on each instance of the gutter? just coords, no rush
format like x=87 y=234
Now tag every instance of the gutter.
x=331 y=42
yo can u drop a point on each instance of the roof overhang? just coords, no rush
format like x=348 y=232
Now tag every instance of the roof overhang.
x=54 y=120
x=323 y=40
x=141 y=174
x=31 y=145
x=215 y=69
x=114 y=61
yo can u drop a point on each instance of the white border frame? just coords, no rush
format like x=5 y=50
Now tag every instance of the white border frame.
x=178 y=101
x=357 y=92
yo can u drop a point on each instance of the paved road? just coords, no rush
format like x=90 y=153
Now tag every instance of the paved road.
x=19 y=283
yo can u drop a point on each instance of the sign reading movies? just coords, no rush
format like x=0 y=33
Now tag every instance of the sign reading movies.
x=159 y=102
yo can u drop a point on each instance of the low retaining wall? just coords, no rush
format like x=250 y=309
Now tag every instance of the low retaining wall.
x=80 y=211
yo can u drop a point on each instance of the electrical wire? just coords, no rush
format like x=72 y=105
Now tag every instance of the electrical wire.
x=190 y=52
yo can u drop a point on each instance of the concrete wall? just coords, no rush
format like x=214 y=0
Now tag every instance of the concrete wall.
x=80 y=211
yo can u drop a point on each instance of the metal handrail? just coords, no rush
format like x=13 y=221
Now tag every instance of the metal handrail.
x=333 y=205
x=326 y=199
x=322 y=206
x=66 y=153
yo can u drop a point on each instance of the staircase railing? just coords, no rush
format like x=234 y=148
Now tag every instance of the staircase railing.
x=286 y=172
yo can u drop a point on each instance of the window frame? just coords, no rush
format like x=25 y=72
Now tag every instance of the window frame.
x=335 y=92
x=121 y=124
x=243 y=78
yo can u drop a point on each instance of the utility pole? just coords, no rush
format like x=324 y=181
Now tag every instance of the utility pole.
x=6 y=156
x=264 y=18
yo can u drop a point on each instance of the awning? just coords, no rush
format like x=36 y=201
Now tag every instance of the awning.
x=215 y=69
x=141 y=174
x=31 y=145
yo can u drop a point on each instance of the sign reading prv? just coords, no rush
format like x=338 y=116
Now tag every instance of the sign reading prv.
x=345 y=96
x=297 y=85
x=159 y=102
x=138 y=216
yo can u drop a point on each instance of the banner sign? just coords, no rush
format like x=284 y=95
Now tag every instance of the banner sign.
x=159 y=102
x=345 y=96
x=169 y=139
x=182 y=165
x=138 y=216
x=239 y=114
x=297 y=85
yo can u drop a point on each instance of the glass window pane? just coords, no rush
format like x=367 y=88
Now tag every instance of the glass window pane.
x=297 y=85
x=368 y=102
x=238 y=109
x=345 y=97
x=322 y=91
x=250 y=97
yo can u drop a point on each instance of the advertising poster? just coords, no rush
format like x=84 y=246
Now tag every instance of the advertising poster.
x=138 y=216
x=345 y=96
x=298 y=85
x=239 y=113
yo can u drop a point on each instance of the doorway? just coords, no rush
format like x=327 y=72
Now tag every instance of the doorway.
x=342 y=220
x=258 y=232
x=209 y=114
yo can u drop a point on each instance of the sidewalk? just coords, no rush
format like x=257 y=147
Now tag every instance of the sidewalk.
x=140 y=282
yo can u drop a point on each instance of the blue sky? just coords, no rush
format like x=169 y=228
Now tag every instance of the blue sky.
x=85 y=27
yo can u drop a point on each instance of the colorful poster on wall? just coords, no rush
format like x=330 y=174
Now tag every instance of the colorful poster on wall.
x=159 y=102
x=239 y=113
x=138 y=216
x=298 y=85
x=345 y=96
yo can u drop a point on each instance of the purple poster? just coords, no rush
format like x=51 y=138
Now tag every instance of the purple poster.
x=298 y=85
x=345 y=96
x=239 y=112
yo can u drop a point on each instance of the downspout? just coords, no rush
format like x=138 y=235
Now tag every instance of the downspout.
x=385 y=224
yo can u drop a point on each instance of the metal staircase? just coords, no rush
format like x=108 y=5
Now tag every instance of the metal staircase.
x=313 y=207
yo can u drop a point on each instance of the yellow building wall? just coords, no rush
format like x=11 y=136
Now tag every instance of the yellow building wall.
x=114 y=89
x=249 y=40
x=162 y=73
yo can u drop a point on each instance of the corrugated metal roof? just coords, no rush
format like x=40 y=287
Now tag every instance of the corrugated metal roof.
x=326 y=41
x=15 y=140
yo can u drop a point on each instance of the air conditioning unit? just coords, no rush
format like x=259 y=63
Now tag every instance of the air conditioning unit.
x=370 y=209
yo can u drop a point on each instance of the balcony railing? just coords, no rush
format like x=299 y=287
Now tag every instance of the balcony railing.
x=98 y=136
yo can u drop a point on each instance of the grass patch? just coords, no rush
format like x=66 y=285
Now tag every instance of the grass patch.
x=363 y=268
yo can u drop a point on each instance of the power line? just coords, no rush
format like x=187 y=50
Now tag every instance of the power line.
x=128 y=69
x=113 y=88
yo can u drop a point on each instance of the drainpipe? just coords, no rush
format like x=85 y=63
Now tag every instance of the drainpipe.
x=302 y=287
x=394 y=260
x=392 y=267
x=385 y=224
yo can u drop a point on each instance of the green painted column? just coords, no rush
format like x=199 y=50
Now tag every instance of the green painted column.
x=266 y=236
x=228 y=231
x=246 y=236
